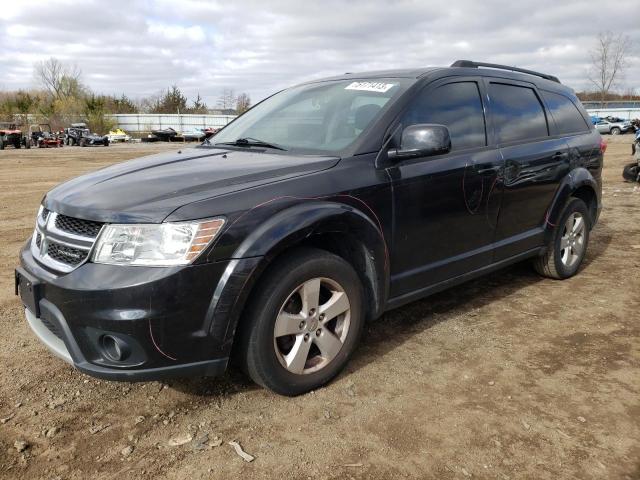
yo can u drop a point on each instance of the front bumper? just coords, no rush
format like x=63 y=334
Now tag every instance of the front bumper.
x=166 y=318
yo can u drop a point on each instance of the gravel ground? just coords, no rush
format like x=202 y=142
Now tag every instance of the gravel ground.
x=510 y=376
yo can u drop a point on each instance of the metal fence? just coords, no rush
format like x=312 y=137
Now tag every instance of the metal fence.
x=145 y=122
x=624 y=113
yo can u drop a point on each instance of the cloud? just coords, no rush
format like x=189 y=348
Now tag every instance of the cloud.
x=205 y=46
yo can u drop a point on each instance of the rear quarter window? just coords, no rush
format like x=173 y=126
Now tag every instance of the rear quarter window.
x=567 y=117
x=517 y=113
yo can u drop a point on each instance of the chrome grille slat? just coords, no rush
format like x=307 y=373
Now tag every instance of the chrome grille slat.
x=63 y=243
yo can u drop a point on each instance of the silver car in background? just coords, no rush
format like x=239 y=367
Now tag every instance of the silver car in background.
x=614 y=128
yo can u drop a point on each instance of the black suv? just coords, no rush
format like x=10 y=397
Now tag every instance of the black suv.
x=325 y=205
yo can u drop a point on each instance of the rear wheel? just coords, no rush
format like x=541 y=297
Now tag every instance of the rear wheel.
x=568 y=246
x=303 y=323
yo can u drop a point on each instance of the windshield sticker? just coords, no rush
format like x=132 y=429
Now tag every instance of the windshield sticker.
x=370 y=86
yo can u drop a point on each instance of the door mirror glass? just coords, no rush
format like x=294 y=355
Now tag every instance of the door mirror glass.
x=423 y=140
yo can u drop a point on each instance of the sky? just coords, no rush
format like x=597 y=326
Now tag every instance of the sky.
x=259 y=47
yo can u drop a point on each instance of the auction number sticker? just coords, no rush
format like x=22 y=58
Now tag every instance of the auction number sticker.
x=379 y=87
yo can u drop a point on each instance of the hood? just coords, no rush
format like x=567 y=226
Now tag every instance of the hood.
x=148 y=189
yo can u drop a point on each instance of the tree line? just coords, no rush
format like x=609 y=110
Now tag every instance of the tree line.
x=61 y=97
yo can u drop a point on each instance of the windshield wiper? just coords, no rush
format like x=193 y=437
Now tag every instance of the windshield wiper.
x=252 y=142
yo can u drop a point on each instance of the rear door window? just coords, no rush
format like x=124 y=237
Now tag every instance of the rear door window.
x=455 y=105
x=566 y=115
x=517 y=113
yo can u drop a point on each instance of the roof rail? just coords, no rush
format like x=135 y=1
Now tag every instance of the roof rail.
x=472 y=64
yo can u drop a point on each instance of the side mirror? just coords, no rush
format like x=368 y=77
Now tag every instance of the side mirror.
x=422 y=140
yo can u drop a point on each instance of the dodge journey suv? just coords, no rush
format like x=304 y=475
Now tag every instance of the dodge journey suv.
x=323 y=206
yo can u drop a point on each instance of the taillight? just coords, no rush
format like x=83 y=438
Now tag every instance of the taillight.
x=603 y=146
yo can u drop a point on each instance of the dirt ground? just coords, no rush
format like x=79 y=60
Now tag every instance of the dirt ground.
x=511 y=376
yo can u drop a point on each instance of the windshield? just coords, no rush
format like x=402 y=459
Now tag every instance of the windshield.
x=318 y=118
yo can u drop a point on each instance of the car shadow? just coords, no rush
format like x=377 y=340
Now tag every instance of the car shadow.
x=397 y=326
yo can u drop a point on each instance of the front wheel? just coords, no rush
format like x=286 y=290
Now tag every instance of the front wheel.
x=568 y=246
x=303 y=323
x=616 y=131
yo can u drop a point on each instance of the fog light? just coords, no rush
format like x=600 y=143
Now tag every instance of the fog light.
x=115 y=348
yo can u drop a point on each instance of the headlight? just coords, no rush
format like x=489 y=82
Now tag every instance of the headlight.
x=156 y=245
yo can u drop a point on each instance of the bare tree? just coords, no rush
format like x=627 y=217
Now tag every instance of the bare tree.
x=608 y=61
x=227 y=100
x=58 y=79
x=243 y=102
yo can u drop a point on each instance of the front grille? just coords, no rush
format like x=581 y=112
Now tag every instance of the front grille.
x=63 y=243
x=69 y=255
x=77 y=226
x=52 y=328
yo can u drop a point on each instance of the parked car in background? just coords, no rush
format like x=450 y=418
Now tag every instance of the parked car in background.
x=11 y=135
x=325 y=205
x=79 y=134
x=614 y=128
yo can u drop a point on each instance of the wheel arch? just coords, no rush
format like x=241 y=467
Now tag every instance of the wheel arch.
x=581 y=184
x=334 y=227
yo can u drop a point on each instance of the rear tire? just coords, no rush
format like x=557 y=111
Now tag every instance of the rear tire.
x=292 y=340
x=631 y=172
x=568 y=244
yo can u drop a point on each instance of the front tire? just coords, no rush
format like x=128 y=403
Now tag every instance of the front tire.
x=303 y=322
x=616 y=131
x=569 y=242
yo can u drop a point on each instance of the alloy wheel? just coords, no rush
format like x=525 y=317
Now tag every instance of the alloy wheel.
x=312 y=326
x=572 y=241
